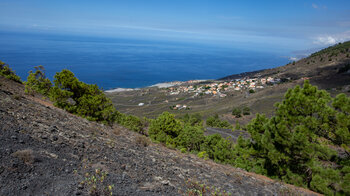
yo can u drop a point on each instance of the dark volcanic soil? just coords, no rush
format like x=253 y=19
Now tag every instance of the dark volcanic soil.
x=47 y=151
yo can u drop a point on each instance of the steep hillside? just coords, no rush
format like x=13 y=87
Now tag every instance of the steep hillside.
x=327 y=68
x=47 y=151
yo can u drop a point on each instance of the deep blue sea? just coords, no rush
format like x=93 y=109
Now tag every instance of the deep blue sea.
x=128 y=63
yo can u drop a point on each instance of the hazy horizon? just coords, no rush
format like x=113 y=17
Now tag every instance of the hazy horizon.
x=255 y=25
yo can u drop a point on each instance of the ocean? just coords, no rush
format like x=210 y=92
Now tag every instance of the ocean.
x=128 y=63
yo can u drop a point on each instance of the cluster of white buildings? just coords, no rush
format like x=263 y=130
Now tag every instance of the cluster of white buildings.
x=221 y=88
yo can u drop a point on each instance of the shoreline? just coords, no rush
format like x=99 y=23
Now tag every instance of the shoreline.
x=159 y=85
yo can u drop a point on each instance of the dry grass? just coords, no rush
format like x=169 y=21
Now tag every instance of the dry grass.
x=143 y=141
x=116 y=131
x=27 y=155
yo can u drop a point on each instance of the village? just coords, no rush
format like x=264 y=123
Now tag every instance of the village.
x=220 y=89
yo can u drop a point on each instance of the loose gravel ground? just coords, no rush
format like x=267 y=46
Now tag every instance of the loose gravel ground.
x=47 y=151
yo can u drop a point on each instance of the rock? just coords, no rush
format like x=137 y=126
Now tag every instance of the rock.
x=80 y=186
x=165 y=182
x=81 y=145
x=158 y=178
x=54 y=138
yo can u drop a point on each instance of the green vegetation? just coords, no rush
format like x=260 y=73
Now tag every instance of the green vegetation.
x=165 y=129
x=218 y=148
x=237 y=112
x=85 y=100
x=72 y=95
x=214 y=121
x=131 y=122
x=251 y=91
x=237 y=126
x=7 y=72
x=96 y=183
x=79 y=98
x=170 y=131
x=333 y=50
x=190 y=138
x=199 y=189
x=38 y=82
x=246 y=111
x=192 y=120
x=294 y=145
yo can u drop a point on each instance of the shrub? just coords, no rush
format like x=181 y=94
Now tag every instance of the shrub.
x=237 y=126
x=192 y=120
x=7 y=72
x=197 y=189
x=27 y=156
x=237 y=112
x=165 y=128
x=251 y=91
x=143 y=141
x=80 y=98
x=246 y=111
x=203 y=155
x=38 y=82
x=96 y=183
x=191 y=137
x=218 y=148
x=214 y=121
x=131 y=122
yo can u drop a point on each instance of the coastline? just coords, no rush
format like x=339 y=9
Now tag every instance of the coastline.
x=159 y=85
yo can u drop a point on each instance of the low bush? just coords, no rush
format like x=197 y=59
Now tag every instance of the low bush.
x=143 y=141
x=131 y=122
x=37 y=81
x=237 y=112
x=214 y=121
x=198 y=189
x=8 y=73
x=191 y=138
x=96 y=183
x=165 y=128
x=86 y=100
x=192 y=120
x=246 y=111
x=27 y=155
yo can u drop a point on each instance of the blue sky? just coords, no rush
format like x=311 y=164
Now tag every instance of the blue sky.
x=296 y=25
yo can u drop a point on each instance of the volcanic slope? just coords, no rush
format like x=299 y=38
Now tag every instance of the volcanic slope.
x=47 y=151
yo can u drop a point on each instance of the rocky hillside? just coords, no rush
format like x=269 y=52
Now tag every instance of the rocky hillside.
x=47 y=151
x=327 y=68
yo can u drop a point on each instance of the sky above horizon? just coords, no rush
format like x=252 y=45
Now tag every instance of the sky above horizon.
x=273 y=25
